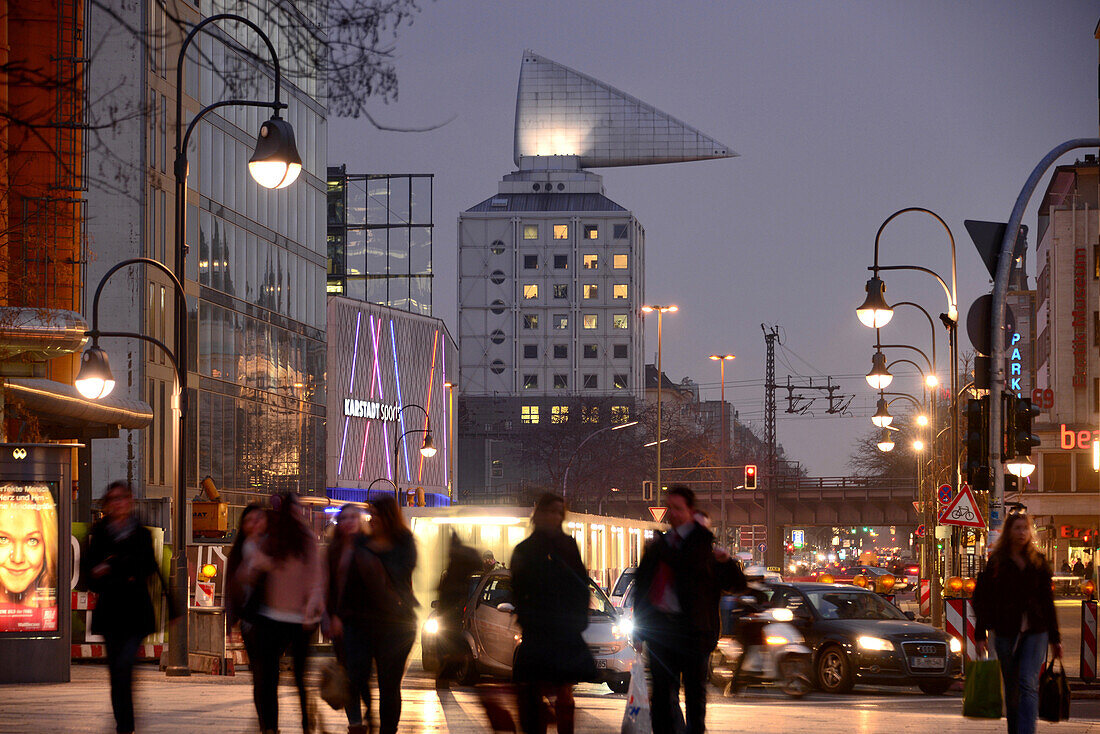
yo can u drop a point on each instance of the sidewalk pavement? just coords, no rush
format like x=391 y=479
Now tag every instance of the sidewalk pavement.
x=223 y=705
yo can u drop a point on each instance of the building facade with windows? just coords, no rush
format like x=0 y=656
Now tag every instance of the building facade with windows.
x=380 y=238
x=551 y=271
x=256 y=257
x=1063 y=494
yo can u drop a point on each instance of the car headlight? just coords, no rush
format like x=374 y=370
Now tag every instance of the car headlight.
x=431 y=626
x=776 y=640
x=955 y=644
x=874 y=643
x=624 y=628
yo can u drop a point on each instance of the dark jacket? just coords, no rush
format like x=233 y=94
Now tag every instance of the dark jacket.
x=550 y=585
x=1005 y=593
x=375 y=589
x=124 y=606
x=699 y=580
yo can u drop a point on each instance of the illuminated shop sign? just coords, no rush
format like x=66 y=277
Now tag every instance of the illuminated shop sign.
x=371 y=409
x=1071 y=439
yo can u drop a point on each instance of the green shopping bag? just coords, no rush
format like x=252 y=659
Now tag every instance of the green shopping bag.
x=982 y=693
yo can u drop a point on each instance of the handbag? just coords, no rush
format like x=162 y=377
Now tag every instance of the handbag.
x=636 y=715
x=334 y=684
x=1054 y=693
x=982 y=692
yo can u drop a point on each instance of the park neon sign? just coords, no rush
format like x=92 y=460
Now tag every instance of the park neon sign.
x=1015 y=365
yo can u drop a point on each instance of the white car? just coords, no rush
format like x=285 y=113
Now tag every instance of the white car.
x=493 y=634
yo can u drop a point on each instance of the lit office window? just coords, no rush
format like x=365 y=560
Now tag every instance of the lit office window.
x=620 y=382
x=590 y=413
x=529 y=413
x=561 y=231
x=559 y=413
x=591 y=232
x=620 y=321
x=620 y=413
x=620 y=262
x=590 y=262
x=589 y=321
x=591 y=290
x=620 y=290
x=530 y=231
x=561 y=321
x=530 y=291
x=530 y=321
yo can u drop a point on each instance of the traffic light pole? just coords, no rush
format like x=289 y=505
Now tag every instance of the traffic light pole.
x=997 y=320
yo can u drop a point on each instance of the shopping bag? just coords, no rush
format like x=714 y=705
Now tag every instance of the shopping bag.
x=1054 y=694
x=636 y=716
x=982 y=692
x=334 y=684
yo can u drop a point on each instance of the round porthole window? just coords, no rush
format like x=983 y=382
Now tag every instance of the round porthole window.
x=536 y=187
x=496 y=367
x=561 y=187
x=497 y=307
x=497 y=248
x=497 y=337
x=497 y=276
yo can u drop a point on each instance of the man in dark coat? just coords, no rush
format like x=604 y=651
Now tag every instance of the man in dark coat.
x=119 y=564
x=551 y=599
x=679 y=584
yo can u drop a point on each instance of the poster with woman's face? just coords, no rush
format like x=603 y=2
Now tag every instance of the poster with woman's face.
x=28 y=557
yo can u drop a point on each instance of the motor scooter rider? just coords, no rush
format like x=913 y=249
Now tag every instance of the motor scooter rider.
x=749 y=631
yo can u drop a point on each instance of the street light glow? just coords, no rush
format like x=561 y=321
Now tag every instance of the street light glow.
x=882 y=417
x=94 y=380
x=918 y=445
x=875 y=312
x=624 y=425
x=879 y=377
x=886 y=441
x=1020 y=467
x=653 y=443
x=717 y=357
x=922 y=420
x=275 y=164
x=428 y=449
x=932 y=381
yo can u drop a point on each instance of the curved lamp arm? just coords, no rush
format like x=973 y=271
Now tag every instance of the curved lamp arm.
x=878 y=236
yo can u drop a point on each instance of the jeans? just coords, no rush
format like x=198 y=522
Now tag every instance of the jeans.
x=387 y=647
x=270 y=639
x=532 y=709
x=121 y=654
x=674 y=655
x=356 y=654
x=1021 y=657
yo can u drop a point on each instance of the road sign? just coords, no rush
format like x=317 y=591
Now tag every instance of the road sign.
x=963 y=511
x=916 y=506
x=798 y=538
x=658 y=513
x=762 y=547
x=945 y=494
x=921 y=530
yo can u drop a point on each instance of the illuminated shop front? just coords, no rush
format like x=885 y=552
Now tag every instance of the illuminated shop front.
x=389 y=384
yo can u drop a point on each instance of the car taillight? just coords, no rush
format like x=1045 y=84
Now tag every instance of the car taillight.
x=912 y=570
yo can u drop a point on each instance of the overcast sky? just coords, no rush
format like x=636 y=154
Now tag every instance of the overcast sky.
x=842 y=112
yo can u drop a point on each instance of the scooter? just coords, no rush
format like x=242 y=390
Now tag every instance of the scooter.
x=767 y=649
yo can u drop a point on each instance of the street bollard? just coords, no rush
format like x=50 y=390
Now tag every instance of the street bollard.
x=1088 y=640
x=925 y=597
x=959 y=622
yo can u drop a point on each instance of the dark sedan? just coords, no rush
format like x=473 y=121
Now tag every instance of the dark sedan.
x=858 y=637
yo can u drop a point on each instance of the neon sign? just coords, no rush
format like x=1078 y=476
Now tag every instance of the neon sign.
x=371 y=409
x=1015 y=366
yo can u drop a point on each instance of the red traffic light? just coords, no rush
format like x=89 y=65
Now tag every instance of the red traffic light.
x=750 y=476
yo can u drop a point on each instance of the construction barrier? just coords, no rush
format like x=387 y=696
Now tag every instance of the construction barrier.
x=98 y=651
x=959 y=622
x=924 y=596
x=1088 y=641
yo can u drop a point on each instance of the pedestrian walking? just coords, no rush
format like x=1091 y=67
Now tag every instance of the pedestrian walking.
x=243 y=583
x=489 y=562
x=383 y=567
x=288 y=570
x=552 y=596
x=454 y=592
x=680 y=581
x=119 y=565
x=347 y=614
x=1078 y=567
x=1013 y=598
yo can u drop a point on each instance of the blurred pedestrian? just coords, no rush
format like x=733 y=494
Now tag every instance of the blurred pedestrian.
x=489 y=562
x=1014 y=599
x=552 y=599
x=291 y=607
x=385 y=562
x=454 y=593
x=1078 y=567
x=679 y=584
x=1066 y=568
x=119 y=564
x=243 y=581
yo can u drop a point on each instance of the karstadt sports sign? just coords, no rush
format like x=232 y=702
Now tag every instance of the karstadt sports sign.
x=371 y=409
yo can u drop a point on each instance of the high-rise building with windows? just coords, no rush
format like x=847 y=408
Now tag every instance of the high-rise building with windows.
x=380 y=238
x=256 y=261
x=551 y=270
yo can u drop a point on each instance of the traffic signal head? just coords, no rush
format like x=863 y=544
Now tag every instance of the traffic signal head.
x=977 y=441
x=750 y=476
x=1019 y=441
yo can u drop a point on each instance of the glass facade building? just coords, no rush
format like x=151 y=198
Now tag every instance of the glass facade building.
x=380 y=238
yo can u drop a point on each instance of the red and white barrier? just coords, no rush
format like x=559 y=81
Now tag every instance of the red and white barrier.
x=959 y=622
x=924 y=597
x=1088 y=641
x=83 y=601
x=94 y=651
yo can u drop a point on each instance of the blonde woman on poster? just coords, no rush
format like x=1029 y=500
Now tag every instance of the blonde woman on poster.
x=28 y=558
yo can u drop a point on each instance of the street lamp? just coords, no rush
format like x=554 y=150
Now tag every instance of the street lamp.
x=576 y=451
x=875 y=312
x=1020 y=467
x=427 y=447
x=661 y=311
x=721 y=359
x=275 y=164
x=608 y=493
x=882 y=417
x=886 y=441
x=879 y=377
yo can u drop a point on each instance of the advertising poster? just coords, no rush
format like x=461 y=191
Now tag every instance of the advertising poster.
x=28 y=557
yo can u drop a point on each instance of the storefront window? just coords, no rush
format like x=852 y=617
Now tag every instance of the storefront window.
x=1056 y=471
x=1087 y=479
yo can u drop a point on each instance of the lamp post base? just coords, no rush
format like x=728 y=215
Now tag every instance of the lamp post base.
x=177 y=671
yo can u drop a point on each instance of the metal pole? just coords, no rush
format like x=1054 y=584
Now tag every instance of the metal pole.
x=725 y=448
x=997 y=320
x=660 y=379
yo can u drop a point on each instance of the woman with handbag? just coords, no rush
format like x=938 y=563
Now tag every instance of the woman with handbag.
x=384 y=564
x=1014 y=599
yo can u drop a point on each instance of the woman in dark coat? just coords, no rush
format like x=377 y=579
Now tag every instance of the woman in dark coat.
x=1014 y=599
x=552 y=599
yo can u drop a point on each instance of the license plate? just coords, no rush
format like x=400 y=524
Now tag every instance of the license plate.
x=926 y=662
x=601 y=663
